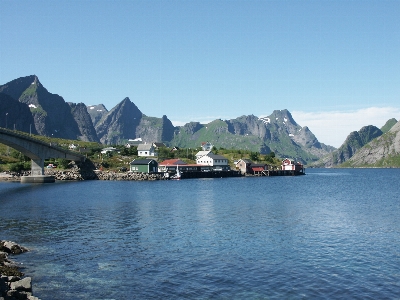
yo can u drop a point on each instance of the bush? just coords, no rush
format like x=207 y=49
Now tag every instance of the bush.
x=20 y=166
x=63 y=163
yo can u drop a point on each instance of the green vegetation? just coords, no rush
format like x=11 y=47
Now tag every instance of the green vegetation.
x=39 y=111
x=217 y=132
x=390 y=161
x=13 y=160
x=29 y=92
x=389 y=124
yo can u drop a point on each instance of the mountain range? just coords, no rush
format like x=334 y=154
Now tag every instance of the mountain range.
x=52 y=116
x=32 y=108
x=367 y=137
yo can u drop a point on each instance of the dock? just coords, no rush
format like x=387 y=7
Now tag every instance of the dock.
x=234 y=173
x=279 y=173
x=211 y=174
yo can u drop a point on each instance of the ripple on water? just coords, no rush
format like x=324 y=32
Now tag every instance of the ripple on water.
x=330 y=234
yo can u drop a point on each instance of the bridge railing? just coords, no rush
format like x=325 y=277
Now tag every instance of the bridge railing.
x=27 y=136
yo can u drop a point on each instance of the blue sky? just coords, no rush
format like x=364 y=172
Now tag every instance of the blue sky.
x=333 y=64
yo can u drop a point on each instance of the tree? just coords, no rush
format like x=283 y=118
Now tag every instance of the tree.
x=19 y=166
x=163 y=153
x=254 y=156
x=270 y=157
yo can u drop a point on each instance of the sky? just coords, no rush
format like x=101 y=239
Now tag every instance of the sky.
x=335 y=65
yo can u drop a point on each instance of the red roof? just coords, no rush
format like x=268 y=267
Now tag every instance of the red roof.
x=172 y=162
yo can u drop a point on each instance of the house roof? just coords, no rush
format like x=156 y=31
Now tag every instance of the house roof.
x=246 y=161
x=172 y=162
x=289 y=161
x=135 y=143
x=156 y=144
x=203 y=153
x=258 y=165
x=216 y=156
x=141 y=161
x=144 y=147
x=109 y=149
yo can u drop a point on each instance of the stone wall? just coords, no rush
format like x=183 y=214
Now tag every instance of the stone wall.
x=12 y=283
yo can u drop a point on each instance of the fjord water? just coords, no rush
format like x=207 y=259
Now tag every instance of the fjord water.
x=332 y=233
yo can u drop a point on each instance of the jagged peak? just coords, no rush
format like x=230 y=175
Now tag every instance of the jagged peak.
x=395 y=127
x=388 y=125
x=126 y=102
x=284 y=114
x=35 y=80
x=97 y=106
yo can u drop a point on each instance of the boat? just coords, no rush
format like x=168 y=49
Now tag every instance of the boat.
x=178 y=174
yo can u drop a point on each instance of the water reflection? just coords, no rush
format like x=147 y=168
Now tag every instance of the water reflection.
x=286 y=237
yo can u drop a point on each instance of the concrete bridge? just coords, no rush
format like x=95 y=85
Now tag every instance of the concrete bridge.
x=37 y=151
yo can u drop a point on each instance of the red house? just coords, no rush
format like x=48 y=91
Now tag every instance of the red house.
x=288 y=164
x=258 y=168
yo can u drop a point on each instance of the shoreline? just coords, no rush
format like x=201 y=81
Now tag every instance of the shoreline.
x=78 y=175
x=13 y=283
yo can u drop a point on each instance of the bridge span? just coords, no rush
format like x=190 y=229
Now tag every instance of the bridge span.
x=37 y=151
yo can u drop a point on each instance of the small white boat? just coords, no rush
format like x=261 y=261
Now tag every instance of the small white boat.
x=177 y=175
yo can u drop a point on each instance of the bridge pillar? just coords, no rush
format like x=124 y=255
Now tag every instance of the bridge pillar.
x=37 y=173
x=37 y=167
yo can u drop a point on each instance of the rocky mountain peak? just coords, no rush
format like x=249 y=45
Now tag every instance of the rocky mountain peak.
x=353 y=143
x=382 y=151
x=388 y=125
x=16 y=87
x=96 y=112
x=119 y=123
x=52 y=115
x=282 y=116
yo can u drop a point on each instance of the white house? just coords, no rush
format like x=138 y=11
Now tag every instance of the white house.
x=108 y=149
x=202 y=153
x=214 y=160
x=289 y=164
x=146 y=150
x=207 y=146
x=136 y=142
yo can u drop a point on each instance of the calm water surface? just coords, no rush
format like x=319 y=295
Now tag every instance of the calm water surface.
x=330 y=234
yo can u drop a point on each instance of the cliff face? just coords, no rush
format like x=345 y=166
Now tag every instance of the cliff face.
x=388 y=125
x=84 y=122
x=52 y=115
x=383 y=151
x=125 y=121
x=119 y=124
x=354 y=142
x=97 y=112
x=248 y=125
x=277 y=132
x=15 y=115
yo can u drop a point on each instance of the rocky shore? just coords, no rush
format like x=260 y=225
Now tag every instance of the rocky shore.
x=13 y=284
x=86 y=171
x=10 y=176
x=78 y=174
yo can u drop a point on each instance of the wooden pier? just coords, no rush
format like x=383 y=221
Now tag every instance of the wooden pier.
x=279 y=173
x=234 y=173
x=211 y=174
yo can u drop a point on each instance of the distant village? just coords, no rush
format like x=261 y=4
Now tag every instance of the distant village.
x=206 y=161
